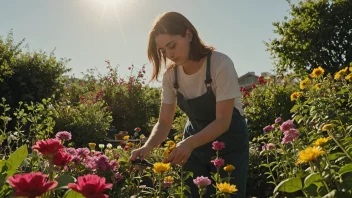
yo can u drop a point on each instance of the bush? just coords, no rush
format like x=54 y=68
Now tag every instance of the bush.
x=88 y=122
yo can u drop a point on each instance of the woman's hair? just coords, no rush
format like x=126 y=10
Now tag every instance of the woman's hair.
x=175 y=24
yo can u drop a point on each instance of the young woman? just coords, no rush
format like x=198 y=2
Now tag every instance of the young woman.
x=204 y=84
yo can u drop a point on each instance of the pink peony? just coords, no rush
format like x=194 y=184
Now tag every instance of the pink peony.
x=268 y=128
x=278 y=120
x=290 y=135
x=49 y=147
x=218 y=145
x=218 y=162
x=286 y=125
x=63 y=135
x=202 y=182
x=91 y=186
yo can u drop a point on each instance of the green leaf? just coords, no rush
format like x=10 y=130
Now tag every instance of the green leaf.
x=345 y=169
x=64 y=180
x=16 y=159
x=314 y=177
x=334 y=156
x=72 y=194
x=289 y=185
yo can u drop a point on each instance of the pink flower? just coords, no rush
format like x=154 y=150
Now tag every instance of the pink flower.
x=290 y=135
x=268 y=128
x=278 y=120
x=286 y=125
x=218 y=145
x=268 y=147
x=31 y=185
x=61 y=158
x=48 y=147
x=91 y=186
x=137 y=129
x=201 y=181
x=218 y=162
x=63 y=135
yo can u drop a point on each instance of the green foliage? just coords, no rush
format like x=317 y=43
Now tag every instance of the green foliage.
x=268 y=101
x=317 y=33
x=88 y=122
x=29 y=76
x=317 y=163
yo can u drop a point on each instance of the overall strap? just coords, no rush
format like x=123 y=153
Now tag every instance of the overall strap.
x=208 y=79
x=176 y=80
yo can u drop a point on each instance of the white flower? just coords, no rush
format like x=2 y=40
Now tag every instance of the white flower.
x=119 y=147
x=101 y=146
x=109 y=146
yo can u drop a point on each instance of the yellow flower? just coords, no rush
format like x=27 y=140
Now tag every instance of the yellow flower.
x=303 y=84
x=226 y=187
x=126 y=137
x=321 y=141
x=169 y=179
x=91 y=145
x=349 y=76
x=176 y=137
x=170 y=143
x=229 y=168
x=309 y=154
x=340 y=73
x=350 y=69
x=317 y=86
x=160 y=167
x=337 y=75
x=296 y=95
x=317 y=72
x=327 y=127
x=142 y=137
x=130 y=144
x=166 y=152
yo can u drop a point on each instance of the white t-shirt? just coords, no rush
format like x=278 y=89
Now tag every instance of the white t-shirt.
x=224 y=81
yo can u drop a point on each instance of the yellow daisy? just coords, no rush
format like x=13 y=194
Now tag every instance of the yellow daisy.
x=126 y=137
x=309 y=154
x=296 y=95
x=321 y=141
x=327 y=127
x=317 y=72
x=160 y=167
x=304 y=83
x=229 y=168
x=226 y=187
x=349 y=77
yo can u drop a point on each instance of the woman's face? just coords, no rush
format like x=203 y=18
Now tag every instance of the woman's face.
x=174 y=47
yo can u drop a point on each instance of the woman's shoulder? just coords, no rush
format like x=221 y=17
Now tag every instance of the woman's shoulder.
x=220 y=57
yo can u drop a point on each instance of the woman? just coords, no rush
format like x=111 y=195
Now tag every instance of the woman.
x=204 y=84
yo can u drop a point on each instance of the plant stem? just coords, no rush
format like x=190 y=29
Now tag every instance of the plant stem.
x=271 y=172
x=339 y=144
x=321 y=174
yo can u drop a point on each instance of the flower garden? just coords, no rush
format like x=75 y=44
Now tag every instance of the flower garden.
x=308 y=155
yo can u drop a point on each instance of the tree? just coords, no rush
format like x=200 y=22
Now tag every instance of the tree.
x=29 y=76
x=317 y=33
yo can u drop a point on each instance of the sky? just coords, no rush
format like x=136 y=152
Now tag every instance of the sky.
x=91 y=31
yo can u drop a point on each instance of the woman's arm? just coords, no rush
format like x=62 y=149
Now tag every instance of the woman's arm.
x=163 y=126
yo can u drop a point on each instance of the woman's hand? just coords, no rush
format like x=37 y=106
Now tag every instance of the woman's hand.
x=181 y=153
x=140 y=153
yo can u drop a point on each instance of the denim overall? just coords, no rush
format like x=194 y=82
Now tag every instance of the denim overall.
x=201 y=111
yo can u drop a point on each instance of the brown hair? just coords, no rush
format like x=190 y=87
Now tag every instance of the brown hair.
x=175 y=24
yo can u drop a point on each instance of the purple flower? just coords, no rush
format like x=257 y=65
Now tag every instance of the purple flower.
x=290 y=135
x=63 y=135
x=218 y=162
x=286 y=125
x=268 y=128
x=218 y=145
x=118 y=177
x=201 y=181
x=76 y=159
x=83 y=152
x=71 y=151
x=278 y=120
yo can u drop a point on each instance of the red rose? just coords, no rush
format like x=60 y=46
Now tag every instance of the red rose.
x=48 y=147
x=31 y=185
x=91 y=186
